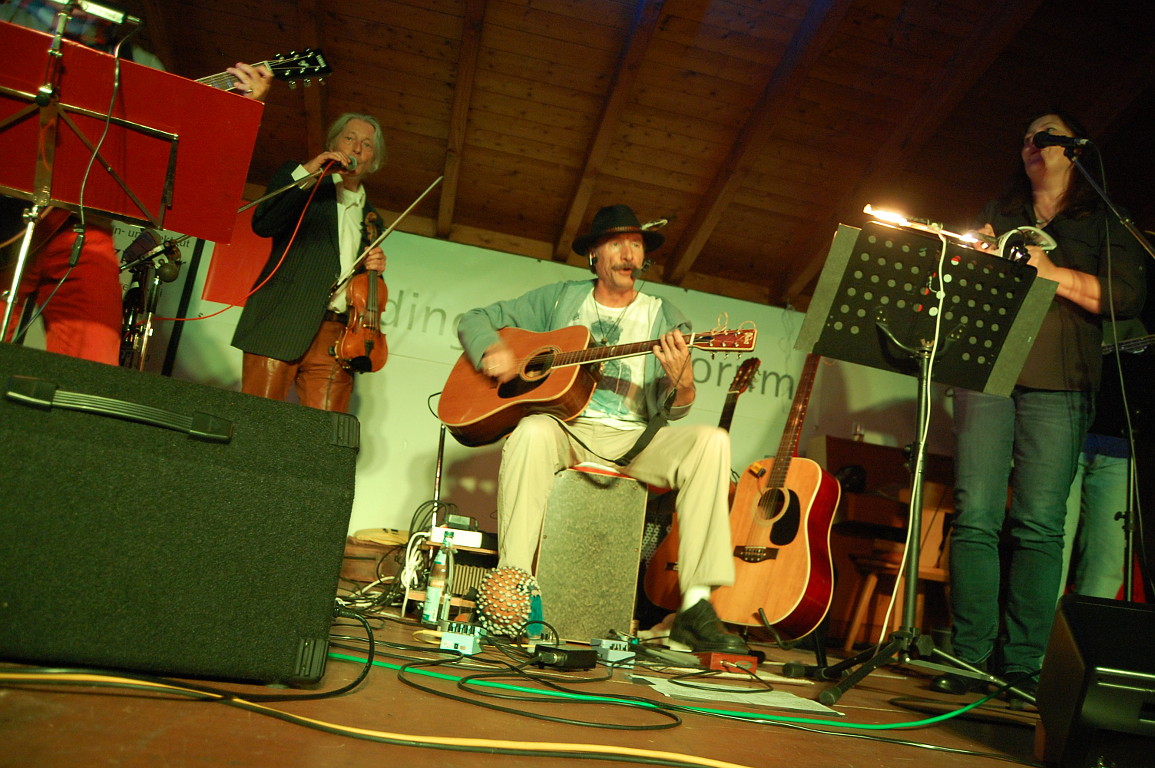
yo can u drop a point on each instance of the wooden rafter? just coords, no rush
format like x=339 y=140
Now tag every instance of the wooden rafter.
x=820 y=22
x=312 y=97
x=459 y=112
x=633 y=52
x=942 y=97
x=159 y=40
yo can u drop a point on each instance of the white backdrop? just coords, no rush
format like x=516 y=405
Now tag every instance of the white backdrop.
x=431 y=282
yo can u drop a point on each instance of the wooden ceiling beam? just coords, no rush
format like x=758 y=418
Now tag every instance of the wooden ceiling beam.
x=459 y=111
x=625 y=74
x=159 y=40
x=821 y=20
x=312 y=97
x=941 y=98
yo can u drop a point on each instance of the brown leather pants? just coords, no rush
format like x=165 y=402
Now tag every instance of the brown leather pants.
x=320 y=381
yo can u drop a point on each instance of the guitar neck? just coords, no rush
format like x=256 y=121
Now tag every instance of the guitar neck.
x=1137 y=344
x=793 y=431
x=727 y=417
x=225 y=82
x=599 y=354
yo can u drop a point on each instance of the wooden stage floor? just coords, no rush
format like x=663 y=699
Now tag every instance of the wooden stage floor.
x=874 y=725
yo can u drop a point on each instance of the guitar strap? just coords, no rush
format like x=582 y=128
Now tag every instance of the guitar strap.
x=652 y=428
x=656 y=423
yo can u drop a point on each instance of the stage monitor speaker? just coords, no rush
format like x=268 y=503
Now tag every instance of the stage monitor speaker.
x=162 y=526
x=1096 y=693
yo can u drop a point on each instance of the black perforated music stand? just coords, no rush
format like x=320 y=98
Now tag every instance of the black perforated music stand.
x=878 y=304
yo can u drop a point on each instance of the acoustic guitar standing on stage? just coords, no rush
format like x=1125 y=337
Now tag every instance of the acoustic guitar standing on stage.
x=661 y=578
x=780 y=529
x=556 y=374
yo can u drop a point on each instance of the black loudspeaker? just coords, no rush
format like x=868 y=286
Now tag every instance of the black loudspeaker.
x=1096 y=694
x=162 y=526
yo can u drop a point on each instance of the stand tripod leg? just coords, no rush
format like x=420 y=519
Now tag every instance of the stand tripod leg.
x=817 y=670
x=980 y=674
x=900 y=641
x=871 y=659
x=31 y=217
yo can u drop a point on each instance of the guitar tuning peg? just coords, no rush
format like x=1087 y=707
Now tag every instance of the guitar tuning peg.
x=308 y=82
x=292 y=85
x=320 y=81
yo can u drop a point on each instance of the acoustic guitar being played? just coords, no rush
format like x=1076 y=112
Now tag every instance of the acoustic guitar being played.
x=556 y=374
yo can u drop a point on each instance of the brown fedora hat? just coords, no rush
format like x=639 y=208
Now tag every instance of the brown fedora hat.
x=615 y=220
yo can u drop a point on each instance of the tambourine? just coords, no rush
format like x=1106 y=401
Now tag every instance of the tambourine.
x=1012 y=244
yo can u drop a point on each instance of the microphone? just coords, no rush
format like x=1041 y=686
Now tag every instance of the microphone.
x=639 y=270
x=334 y=165
x=1047 y=139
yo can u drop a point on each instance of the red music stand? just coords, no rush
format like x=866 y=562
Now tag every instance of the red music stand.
x=155 y=114
x=176 y=151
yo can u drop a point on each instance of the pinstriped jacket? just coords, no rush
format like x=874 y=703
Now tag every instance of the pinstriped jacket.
x=281 y=319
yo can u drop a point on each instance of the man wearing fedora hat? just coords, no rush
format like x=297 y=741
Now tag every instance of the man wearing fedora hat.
x=632 y=393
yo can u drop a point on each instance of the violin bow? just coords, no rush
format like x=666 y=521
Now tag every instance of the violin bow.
x=357 y=262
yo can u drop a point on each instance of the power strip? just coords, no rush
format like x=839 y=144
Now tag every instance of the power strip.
x=460 y=538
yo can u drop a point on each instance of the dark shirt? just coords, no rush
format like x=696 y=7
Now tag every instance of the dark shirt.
x=1067 y=353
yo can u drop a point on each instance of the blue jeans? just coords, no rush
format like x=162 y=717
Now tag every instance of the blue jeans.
x=1039 y=433
x=1094 y=534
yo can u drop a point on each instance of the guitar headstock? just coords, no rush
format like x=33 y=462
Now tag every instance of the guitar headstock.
x=299 y=65
x=744 y=375
x=726 y=340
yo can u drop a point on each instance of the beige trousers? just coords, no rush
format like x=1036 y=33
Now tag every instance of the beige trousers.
x=695 y=460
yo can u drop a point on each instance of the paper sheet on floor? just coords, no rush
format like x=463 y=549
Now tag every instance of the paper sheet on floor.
x=772 y=699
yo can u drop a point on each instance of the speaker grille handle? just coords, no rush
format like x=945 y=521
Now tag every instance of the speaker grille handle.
x=38 y=393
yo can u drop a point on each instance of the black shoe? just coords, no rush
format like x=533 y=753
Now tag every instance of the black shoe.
x=700 y=628
x=1023 y=691
x=956 y=685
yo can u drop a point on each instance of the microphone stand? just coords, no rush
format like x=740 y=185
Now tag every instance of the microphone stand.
x=1128 y=514
x=47 y=100
x=269 y=196
x=51 y=112
x=1128 y=224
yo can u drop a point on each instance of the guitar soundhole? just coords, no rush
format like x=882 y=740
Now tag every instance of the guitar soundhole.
x=517 y=387
x=533 y=374
x=780 y=508
x=771 y=504
x=539 y=364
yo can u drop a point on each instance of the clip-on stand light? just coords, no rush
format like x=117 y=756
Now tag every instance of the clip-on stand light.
x=878 y=303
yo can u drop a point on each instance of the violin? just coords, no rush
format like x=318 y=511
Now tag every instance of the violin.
x=362 y=347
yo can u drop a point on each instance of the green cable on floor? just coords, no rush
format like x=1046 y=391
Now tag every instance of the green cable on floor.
x=704 y=710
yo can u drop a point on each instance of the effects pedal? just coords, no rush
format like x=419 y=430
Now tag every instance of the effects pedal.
x=728 y=662
x=616 y=652
x=464 y=638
